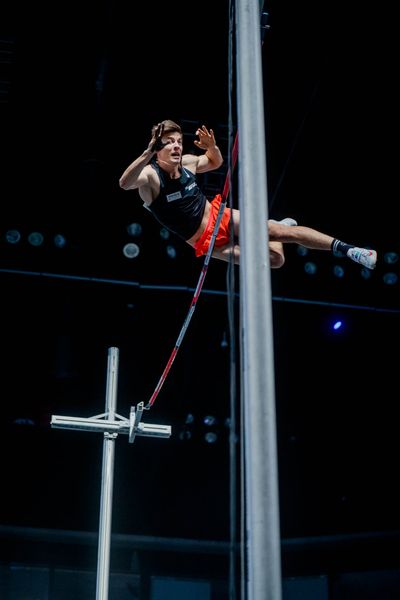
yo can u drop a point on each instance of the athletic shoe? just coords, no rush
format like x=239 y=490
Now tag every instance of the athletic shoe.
x=363 y=256
x=287 y=221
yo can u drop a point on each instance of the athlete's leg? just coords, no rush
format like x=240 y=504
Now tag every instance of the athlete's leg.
x=305 y=236
x=276 y=253
x=316 y=240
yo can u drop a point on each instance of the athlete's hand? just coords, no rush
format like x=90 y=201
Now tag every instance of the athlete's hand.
x=206 y=138
x=156 y=143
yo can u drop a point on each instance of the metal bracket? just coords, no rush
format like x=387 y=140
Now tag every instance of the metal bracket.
x=119 y=425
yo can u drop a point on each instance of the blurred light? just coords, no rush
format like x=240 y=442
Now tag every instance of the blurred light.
x=337 y=325
x=366 y=273
x=189 y=419
x=338 y=254
x=209 y=420
x=390 y=278
x=302 y=251
x=164 y=233
x=210 y=437
x=390 y=258
x=171 y=252
x=134 y=229
x=131 y=250
x=12 y=236
x=35 y=238
x=338 y=271
x=24 y=421
x=59 y=241
x=224 y=341
x=185 y=435
x=310 y=268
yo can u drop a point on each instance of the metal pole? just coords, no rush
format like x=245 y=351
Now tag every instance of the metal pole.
x=111 y=424
x=261 y=472
x=103 y=557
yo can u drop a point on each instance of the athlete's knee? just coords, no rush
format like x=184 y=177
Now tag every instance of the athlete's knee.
x=277 y=259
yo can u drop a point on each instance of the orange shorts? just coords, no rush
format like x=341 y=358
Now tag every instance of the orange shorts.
x=223 y=235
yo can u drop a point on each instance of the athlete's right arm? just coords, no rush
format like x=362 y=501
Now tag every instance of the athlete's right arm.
x=136 y=175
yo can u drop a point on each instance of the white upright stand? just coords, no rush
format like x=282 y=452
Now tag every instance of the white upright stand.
x=111 y=424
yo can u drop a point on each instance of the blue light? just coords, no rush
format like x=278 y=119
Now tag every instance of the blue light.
x=337 y=325
x=310 y=268
x=301 y=250
x=338 y=271
x=35 y=238
x=134 y=229
x=390 y=278
x=59 y=240
x=365 y=273
x=13 y=236
x=391 y=258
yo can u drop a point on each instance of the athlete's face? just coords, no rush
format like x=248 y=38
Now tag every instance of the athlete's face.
x=172 y=150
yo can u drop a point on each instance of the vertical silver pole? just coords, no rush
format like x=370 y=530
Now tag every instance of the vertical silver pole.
x=103 y=557
x=261 y=472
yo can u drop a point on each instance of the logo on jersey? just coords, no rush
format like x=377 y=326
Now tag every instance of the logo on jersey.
x=174 y=196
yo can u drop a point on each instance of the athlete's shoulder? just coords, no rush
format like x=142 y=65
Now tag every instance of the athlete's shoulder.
x=190 y=161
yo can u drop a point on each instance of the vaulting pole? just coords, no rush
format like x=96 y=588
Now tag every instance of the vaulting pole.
x=258 y=385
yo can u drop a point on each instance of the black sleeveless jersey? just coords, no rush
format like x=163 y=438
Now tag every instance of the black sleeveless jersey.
x=180 y=203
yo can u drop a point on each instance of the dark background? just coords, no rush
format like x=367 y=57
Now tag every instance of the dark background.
x=81 y=86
